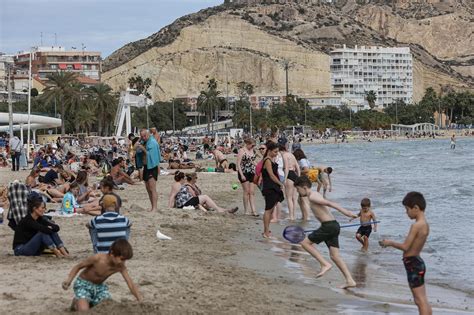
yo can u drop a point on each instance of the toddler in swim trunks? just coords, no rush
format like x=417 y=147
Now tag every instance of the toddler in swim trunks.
x=89 y=287
x=366 y=217
x=415 y=205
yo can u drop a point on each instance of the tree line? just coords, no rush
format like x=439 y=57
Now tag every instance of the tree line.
x=93 y=108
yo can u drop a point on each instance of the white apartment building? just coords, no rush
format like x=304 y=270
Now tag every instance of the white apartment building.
x=387 y=71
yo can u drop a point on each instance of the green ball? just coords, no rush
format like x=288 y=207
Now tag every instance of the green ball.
x=235 y=186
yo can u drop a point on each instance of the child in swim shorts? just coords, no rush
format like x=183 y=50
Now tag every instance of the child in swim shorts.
x=415 y=267
x=93 y=293
x=366 y=217
x=89 y=287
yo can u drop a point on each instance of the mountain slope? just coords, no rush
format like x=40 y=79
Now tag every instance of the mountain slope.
x=234 y=43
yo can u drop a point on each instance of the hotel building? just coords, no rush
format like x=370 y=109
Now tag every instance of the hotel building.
x=386 y=71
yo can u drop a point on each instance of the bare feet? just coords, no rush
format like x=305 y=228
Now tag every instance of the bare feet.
x=274 y=221
x=268 y=236
x=57 y=253
x=64 y=252
x=323 y=270
x=350 y=284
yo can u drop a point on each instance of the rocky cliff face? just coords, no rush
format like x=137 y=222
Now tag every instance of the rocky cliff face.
x=235 y=43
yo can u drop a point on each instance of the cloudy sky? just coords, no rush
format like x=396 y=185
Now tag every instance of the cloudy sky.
x=101 y=25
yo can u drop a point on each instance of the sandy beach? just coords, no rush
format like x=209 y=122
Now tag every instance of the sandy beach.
x=216 y=263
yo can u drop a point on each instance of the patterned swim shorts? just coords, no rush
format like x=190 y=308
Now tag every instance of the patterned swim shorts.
x=416 y=269
x=94 y=293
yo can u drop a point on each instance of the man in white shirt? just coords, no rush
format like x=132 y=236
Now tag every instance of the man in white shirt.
x=15 y=151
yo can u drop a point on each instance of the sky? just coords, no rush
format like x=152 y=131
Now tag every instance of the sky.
x=98 y=25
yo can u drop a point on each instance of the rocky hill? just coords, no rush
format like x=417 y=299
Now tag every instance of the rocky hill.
x=249 y=40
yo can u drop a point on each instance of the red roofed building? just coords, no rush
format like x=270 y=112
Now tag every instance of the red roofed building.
x=47 y=60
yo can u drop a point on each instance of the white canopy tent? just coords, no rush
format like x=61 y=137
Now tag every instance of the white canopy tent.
x=20 y=122
x=415 y=128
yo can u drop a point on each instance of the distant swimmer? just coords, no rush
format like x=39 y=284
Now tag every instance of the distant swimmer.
x=367 y=216
x=415 y=205
x=453 y=142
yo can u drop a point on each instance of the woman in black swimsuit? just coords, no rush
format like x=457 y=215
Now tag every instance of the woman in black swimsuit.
x=246 y=173
x=272 y=188
x=292 y=172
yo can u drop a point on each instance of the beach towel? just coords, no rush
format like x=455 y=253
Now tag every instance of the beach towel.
x=63 y=215
x=18 y=198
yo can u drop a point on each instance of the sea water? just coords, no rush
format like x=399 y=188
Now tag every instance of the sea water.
x=385 y=172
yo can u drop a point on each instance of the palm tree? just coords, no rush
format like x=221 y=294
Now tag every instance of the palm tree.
x=85 y=118
x=104 y=105
x=208 y=100
x=371 y=97
x=63 y=88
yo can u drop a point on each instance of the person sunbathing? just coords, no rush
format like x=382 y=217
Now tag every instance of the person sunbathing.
x=43 y=189
x=190 y=195
x=178 y=165
x=179 y=180
x=118 y=174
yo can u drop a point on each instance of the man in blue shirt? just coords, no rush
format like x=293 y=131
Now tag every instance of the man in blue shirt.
x=152 y=167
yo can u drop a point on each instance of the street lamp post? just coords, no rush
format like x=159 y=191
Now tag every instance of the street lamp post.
x=439 y=113
x=29 y=108
x=10 y=104
x=250 y=110
x=396 y=112
x=174 y=126
x=147 y=121
x=350 y=117
x=305 y=105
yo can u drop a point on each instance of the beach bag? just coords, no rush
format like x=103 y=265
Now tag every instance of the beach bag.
x=258 y=172
x=69 y=204
x=183 y=196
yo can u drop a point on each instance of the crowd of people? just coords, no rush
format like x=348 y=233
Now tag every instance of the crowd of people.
x=279 y=171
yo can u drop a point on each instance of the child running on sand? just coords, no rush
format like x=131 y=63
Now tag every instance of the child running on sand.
x=366 y=217
x=89 y=287
x=415 y=205
x=328 y=232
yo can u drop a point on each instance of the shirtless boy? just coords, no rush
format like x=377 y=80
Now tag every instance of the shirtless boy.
x=328 y=232
x=89 y=287
x=415 y=205
x=366 y=217
x=324 y=179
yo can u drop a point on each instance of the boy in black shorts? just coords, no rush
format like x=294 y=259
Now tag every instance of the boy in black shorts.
x=415 y=205
x=328 y=232
x=366 y=217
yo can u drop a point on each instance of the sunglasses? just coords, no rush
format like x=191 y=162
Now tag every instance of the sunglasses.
x=261 y=149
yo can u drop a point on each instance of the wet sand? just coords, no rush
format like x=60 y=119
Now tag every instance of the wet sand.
x=215 y=263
